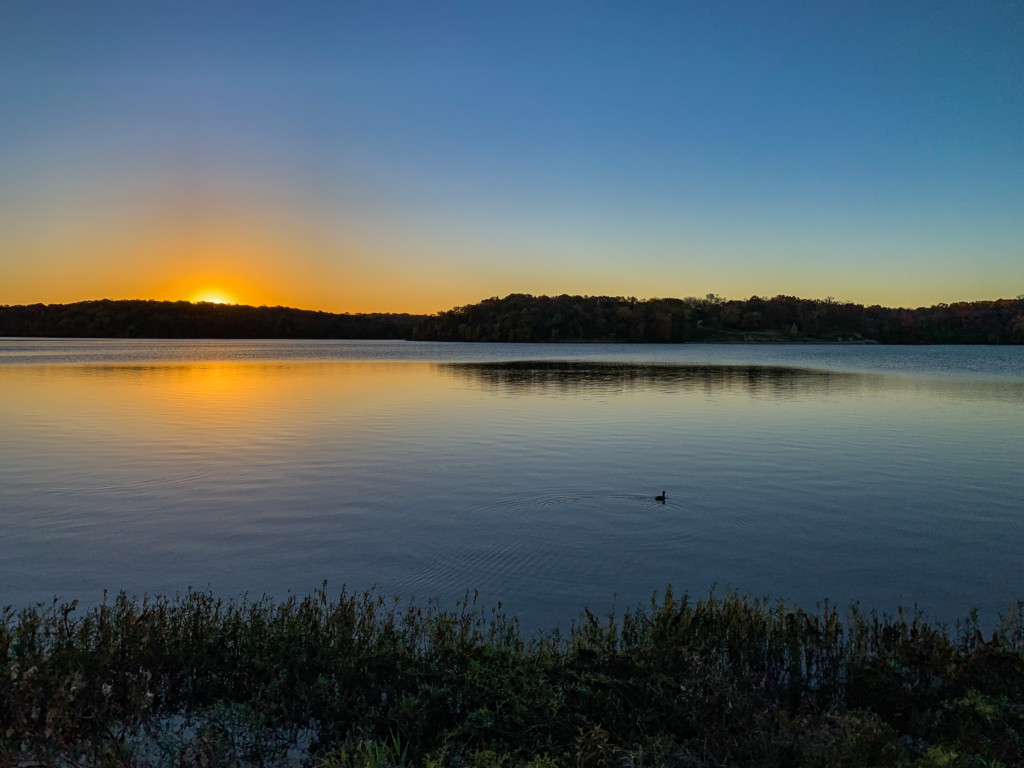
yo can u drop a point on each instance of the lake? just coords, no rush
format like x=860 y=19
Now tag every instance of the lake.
x=528 y=472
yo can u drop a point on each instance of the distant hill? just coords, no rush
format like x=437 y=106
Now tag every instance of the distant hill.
x=203 y=320
x=525 y=318
x=521 y=317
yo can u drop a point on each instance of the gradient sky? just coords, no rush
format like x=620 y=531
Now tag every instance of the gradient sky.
x=414 y=156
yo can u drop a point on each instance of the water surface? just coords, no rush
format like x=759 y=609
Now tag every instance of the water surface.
x=866 y=473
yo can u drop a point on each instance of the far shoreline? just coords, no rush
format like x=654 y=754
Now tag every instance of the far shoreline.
x=524 y=318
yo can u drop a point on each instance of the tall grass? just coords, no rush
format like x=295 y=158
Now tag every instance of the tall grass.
x=361 y=680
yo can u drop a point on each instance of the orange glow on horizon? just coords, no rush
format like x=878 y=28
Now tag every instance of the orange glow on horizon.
x=214 y=297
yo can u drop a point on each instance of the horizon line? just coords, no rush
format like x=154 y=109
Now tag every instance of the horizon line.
x=707 y=297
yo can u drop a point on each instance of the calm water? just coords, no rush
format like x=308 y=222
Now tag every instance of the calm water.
x=525 y=471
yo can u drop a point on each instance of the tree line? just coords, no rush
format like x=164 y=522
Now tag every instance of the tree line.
x=202 y=320
x=521 y=317
x=525 y=318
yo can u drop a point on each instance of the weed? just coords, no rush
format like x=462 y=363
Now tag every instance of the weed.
x=361 y=681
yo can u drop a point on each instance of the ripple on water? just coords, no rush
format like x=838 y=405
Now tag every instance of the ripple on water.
x=547 y=540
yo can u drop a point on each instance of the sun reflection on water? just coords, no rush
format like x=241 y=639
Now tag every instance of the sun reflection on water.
x=156 y=473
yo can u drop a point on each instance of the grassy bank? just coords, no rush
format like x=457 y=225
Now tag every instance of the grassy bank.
x=357 y=680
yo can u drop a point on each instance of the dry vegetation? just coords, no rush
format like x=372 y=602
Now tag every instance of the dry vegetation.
x=360 y=681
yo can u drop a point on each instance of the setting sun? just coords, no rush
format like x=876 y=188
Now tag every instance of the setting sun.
x=214 y=297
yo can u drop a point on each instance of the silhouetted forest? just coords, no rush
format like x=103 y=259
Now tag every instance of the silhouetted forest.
x=521 y=317
x=203 y=320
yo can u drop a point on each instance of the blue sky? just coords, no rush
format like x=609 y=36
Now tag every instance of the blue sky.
x=414 y=156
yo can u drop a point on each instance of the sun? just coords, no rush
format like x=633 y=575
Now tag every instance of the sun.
x=214 y=297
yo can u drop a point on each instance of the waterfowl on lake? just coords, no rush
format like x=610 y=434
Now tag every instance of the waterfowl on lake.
x=660 y=498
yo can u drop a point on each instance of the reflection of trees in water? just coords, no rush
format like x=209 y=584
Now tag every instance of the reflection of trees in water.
x=559 y=376
x=570 y=377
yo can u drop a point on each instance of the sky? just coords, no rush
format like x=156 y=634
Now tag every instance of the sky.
x=385 y=156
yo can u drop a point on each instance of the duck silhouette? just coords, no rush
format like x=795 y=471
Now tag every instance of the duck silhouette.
x=660 y=498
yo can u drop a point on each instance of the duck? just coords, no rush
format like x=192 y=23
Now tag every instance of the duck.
x=660 y=498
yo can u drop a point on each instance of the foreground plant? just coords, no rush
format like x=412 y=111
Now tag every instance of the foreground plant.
x=359 y=680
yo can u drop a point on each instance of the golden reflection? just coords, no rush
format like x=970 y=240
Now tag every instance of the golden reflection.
x=229 y=397
x=280 y=386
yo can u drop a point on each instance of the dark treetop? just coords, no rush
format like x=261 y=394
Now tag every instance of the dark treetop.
x=525 y=318
x=204 y=320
